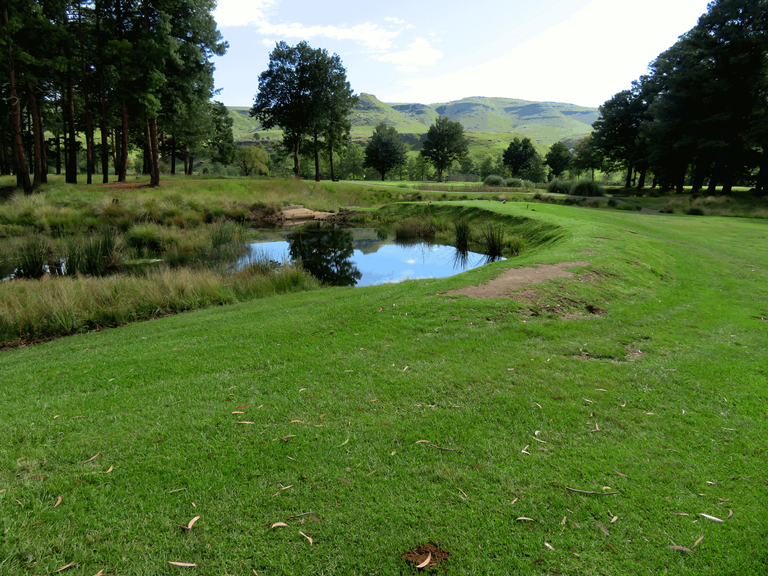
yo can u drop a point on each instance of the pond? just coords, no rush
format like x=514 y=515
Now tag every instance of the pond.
x=362 y=256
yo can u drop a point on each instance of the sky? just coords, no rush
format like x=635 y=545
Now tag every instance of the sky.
x=572 y=51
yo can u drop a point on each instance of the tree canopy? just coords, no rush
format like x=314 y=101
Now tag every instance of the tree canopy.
x=305 y=92
x=385 y=151
x=523 y=160
x=444 y=145
x=558 y=158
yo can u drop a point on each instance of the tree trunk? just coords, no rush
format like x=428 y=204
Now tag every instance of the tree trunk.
x=628 y=183
x=4 y=168
x=86 y=105
x=330 y=160
x=70 y=175
x=124 y=139
x=296 y=173
x=37 y=138
x=317 y=158
x=191 y=163
x=20 y=160
x=154 y=155
x=103 y=126
x=173 y=156
x=641 y=183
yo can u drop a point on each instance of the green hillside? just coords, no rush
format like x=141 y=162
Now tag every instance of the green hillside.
x=490 y=123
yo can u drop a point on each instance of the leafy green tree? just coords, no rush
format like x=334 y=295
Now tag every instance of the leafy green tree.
x=558 y=158
x=351 y=164
x=521 y=157
x=445 y=144
x=221 y=146
x=385 y=151
x=587 y=155
x=305 y=92
x=422 y=170
x=487 y=167
x=252 y=160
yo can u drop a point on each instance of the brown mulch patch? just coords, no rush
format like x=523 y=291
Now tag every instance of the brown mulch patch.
x=514 y=278
x=419 y=555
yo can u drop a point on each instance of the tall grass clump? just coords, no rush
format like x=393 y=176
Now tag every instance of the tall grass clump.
x=492 y=240
x=32 y=311
x=32 y=257
x=463 y=234
x=513 y=245
x=587 y=188
x=559 y=187
x=493 y=180
x=94 y=255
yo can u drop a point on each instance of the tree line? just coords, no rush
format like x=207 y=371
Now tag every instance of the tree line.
x=699 y=116
x=105 y=77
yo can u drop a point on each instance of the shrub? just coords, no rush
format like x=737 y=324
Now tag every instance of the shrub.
x=493 y=180
x=559 y=187
x=514 y=183
x=612 y=203
x=463 y=234
x=146 y=238
x=587 y=188
x=492 y=240
x=32 y=257
x=513 y=245
x=695 y=211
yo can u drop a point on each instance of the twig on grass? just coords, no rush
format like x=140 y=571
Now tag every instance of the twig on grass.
x=445 y=449
x=300 y=515
x=588 y=492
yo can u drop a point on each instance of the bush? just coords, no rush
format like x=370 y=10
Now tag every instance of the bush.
x=587 y=188
x=695 y=211
x=559 y=187
x=612 y=203
x=514 y=183
x=513 y=245
x=493 y=180
x=463 y=234
x=492 y=240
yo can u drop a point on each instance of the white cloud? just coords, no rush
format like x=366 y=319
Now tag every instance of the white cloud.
x=369 y=34
x=407 y=69
x=239 y=12
x=419 y=53
x=395 y=20
x=568 y=62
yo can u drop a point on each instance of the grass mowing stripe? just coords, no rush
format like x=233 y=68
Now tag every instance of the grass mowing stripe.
x=659 y=388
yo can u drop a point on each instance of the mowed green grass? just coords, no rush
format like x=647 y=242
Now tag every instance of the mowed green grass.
x=251 y=414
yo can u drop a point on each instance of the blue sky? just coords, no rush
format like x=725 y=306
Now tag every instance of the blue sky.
x=574 y=51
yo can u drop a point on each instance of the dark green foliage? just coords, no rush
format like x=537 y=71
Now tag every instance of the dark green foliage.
x=385 y=151
x=559 y=158
x=523 y=160
x=32 y=256
x=695 y=211
x=514 y=183
x=492 y=240
x=462 y=233
x=493 y=180
x=444 y=145
x=587 y=188
x=559 y=187
x=94 y=255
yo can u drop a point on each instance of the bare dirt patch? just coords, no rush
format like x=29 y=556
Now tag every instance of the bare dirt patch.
x=429 y=550
x=514 y=278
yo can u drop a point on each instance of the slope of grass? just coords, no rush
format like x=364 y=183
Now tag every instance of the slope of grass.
x=313 y=410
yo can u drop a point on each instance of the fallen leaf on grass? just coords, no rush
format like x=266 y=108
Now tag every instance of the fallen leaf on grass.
x=345 y=441
x=238 y=412
x=182 y=564
x=192 y=522
x=680 y=548
x=563 y=520
x=278 y=524
x=525 y=450
x=58 y=501
x=286 y=487
x=614 y=519
x=462 y=491
x=289 y=436
x=406 y=368
x=307 y=537
x=680 y=514
x=297 y=421
x=422 y=442
x=730 y=513
x=524 y=518
x=708 y=517
x=426 y=562
x=244 y=406
x=92 y=458
x=620 y=473
x=539 y=405
x=65 y=567
x=245 y=422
x=698 y=541
x=369 y=473
x=103 y=471
x=604 y=529
x=548 y=545
x=99 y=573
x=345 y=481
x=177 y=490
x=513 y=501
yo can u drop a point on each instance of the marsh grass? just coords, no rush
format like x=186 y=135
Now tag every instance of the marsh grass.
x=462 y=234
x=492 y=240
x=31 y=310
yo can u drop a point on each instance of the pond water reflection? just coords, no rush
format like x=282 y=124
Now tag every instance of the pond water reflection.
x=363 y=256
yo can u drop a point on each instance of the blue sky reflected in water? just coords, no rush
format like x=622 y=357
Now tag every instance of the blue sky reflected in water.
x=384 y=261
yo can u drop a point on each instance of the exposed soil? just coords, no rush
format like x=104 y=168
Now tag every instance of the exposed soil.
x=514 y=278
x=419 y=555
x=298 y=215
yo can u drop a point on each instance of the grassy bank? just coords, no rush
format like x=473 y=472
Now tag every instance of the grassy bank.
x=639 y=381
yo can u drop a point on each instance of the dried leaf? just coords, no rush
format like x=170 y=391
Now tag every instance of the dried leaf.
x=307 y=537
x=730 y=513
x=513 y=501
x=563 y=520
x=278 y=524
x=708 y=517
x=297 y=421
x=680 y=548
x=522 y=518
x=244 y=406
x=620 y=473
x=406 y=368
x=604 y=529
x=422 y=442
x=192 y=522
x=426 y=562
x=58 y=501
x=680 y=514
x=286 y=487
x=177 y=490
x=289 y=436
x=698 y=541
x=539 y=405
x=99 y=573
x=548 y=545
x=104 y=471
x=182 y=564
x=238 y=412
x=525 y=450
x=345 y=481
x=614 y=519
x=345 y=441
x=92 y=458
x=245 y=422
x=65 y=567
x=369 y=473
x=462 y=491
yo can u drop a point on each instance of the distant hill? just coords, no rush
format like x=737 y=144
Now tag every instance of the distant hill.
x=490 y=123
